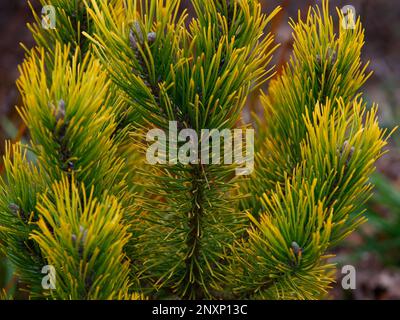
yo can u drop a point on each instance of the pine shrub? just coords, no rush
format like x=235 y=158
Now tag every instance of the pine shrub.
x=113 y=226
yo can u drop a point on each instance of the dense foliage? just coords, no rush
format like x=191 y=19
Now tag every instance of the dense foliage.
x=115 y=227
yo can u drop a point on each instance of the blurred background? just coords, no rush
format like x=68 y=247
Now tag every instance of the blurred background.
x=375 y=249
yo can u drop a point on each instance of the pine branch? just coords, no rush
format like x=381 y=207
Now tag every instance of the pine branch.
x=324 y=67
x=199 y=78
x=84 y=239
x=18 y=194
x=75 y=98
x=311 y=179
x=71 y=20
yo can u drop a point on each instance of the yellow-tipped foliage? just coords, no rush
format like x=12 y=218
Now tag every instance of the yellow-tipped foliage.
x=315 y=156
x=59 y=107
x=18 y=196
x=73 y=233
x=71 y=21
x=114 y=227
x=73 y=132
x=199 y=76
x=326 y=65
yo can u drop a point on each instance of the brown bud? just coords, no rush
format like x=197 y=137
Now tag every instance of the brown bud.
x=60 y=113
x=346 y=146
x=135 y=35
x=14 y=209
x=319 y=60
x=332 y=56
x=296 y=248
x=84 y=232
x=151 y=37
